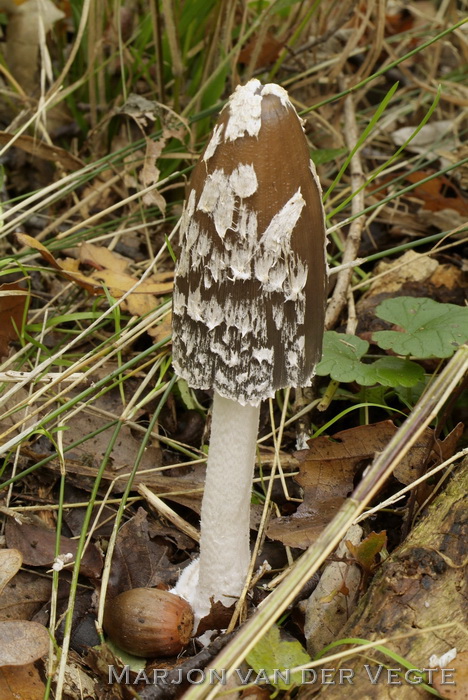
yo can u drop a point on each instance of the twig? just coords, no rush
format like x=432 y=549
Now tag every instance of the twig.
x=340 y=293
x=57 y=377
x=168 y=512
x=167 y=686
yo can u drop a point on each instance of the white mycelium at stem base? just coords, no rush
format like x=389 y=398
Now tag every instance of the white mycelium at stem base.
x=225 y=515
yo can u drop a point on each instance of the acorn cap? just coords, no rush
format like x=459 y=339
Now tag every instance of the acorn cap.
x=250 y=283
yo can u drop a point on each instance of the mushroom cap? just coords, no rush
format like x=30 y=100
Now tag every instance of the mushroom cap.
x=250 y=283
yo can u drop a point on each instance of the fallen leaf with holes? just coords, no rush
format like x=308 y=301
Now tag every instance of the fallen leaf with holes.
x=10 y=563
x=22 y=642
x=21 y=682
x=326 y=473
x=145 y=112
x=37 y=544
x=13 y=300
x=149 y=174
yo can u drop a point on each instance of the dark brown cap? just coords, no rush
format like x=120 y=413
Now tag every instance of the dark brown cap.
x=250 y=284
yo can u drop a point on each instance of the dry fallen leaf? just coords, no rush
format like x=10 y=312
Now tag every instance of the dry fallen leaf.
x=13 y=300
x=22 y=642
x=77 y=277
x=409 y=267
x=138 y=560
x=143 y=300
x=119 y=283
x=37 y=545
x=161 y=330
x=427 y=138
x=457 y=686
x=138 y=303
x=102 y=258
x=269 y=50
x=333 y=600
x=409 y=470
x=438 y=193
x=40 y=149
x=10 y=563
x=21 y=682
x=327 y=471
x=23 y=596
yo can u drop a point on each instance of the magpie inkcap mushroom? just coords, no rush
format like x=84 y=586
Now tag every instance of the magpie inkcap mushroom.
x=248 y=305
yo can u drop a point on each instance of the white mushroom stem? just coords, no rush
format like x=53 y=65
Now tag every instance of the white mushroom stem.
x=225 y=514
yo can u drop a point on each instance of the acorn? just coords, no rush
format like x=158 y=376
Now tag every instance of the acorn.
x=149 y=622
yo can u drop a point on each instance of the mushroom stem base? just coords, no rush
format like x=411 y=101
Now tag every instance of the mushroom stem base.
x=225 y=514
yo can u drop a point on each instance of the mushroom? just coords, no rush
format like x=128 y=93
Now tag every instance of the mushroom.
x=248 y=307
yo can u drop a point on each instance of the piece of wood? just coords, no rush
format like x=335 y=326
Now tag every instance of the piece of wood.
x=420 y=586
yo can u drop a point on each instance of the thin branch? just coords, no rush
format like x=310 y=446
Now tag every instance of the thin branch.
x=340 y=293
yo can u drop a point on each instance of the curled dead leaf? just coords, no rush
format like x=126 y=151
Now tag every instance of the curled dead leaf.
x=76 y=277
x=40 y=149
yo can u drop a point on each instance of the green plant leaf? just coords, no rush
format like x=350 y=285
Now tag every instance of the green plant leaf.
x=341 y=357
x=431 y=329
x=397 y=371
x=134 y=662
x=272 y=653
x=365 y=553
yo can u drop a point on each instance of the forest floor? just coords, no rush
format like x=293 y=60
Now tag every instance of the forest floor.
x=105 y=108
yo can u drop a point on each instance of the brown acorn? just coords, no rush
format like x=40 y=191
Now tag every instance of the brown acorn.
x=149 y=622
